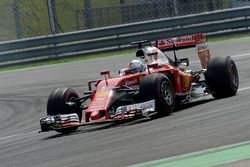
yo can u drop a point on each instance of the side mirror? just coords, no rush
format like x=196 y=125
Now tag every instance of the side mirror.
x=140 y=53
x=124 y=71
x=105 y=73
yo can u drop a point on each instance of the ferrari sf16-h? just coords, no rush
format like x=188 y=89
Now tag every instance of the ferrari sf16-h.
x=152 y=85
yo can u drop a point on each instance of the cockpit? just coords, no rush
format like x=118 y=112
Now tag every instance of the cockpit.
x=147 y=55
x=151 y=54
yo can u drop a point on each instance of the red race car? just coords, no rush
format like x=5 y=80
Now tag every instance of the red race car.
x=152 y=85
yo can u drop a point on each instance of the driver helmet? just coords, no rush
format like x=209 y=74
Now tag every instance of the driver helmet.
x=136 y=66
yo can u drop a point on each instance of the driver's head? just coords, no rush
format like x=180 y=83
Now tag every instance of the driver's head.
x=136 y=66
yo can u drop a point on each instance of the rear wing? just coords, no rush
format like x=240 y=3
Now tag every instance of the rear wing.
x=187 y=41
x=181 y=42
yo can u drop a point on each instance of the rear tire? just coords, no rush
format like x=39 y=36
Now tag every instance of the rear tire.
x=222 y=77
x=57 y=105
x=157 y=86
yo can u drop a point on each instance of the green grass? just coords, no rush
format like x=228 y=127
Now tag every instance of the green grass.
x=34 y=19
x=7 y=22
x=66 y=14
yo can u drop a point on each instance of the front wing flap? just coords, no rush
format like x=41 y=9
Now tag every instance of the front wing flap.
x=145 y=109
x=59 y=122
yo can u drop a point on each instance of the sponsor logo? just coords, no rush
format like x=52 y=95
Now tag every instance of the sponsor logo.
x=179 y=40
x=102 y=94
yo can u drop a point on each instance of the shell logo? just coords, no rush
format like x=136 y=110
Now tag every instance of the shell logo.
x=186 y=82
x=102 y=94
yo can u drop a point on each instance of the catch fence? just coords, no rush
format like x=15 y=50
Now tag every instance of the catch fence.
x=31 y=18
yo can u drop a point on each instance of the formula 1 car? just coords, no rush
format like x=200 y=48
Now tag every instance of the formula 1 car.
x=152 y=91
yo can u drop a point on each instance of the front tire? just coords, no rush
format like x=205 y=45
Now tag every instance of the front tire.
x=57 y=105
x=157 y=86
x=222 y=77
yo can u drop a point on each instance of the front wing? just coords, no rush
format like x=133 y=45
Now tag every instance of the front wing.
x=126 y=112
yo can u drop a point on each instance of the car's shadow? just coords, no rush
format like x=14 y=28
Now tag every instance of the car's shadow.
x=91 y=128
x=182 y=107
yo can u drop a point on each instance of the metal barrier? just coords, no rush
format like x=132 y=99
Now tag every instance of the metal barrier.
x=115 y=37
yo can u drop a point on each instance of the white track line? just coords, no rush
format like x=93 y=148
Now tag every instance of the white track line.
x=241 y=55
x=8 y=137
x=27 y=134
x=242 y=89
x=197 y=153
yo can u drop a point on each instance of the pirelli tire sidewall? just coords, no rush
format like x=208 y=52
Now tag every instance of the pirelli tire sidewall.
x=158 y=86
x=222 y=77
x=57 y=105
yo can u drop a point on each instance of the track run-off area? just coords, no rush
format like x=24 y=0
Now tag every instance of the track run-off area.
x=193 y=135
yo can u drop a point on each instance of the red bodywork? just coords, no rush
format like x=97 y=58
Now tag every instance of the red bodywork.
x=104 y=94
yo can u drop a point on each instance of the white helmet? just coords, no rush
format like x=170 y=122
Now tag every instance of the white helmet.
x=136 y=66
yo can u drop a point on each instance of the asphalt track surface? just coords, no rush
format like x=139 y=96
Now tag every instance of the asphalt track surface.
x=199 y=126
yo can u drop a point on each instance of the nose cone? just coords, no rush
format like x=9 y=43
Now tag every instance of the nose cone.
x=94 y=115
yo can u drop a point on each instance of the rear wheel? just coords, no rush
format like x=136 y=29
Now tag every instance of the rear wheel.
x=157 y=86
x=57 y=105
x=222 y=77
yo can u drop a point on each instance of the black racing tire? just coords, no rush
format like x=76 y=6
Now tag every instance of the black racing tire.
x=222 y=77
x=57 y=105
x=157 y=86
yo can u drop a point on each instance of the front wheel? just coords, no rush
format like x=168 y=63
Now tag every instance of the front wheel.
x=57 y=104
x=157 y=86
x=222 y=77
